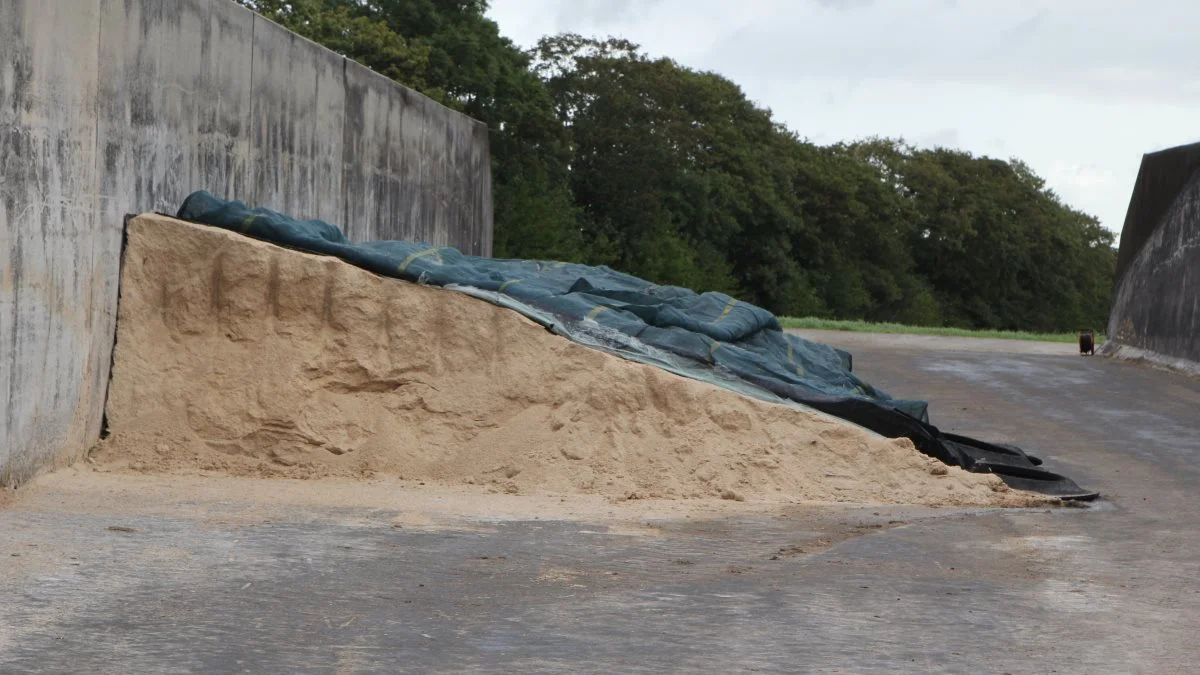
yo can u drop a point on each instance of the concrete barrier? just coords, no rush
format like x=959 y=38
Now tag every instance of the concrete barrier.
x=1156 y=302
x=109 y=107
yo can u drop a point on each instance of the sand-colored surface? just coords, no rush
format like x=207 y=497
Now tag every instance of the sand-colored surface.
x=241 y=358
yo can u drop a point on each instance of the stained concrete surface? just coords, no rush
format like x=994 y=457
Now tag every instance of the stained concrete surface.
x=198 y=584
x=110 y=107
x=1154 y=306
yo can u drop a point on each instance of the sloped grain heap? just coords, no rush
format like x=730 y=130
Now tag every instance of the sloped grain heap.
x=245 y=358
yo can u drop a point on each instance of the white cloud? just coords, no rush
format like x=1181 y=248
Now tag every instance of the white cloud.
x=602 y=12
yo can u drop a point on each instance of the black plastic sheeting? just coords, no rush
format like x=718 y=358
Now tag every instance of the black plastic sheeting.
x=706 y=336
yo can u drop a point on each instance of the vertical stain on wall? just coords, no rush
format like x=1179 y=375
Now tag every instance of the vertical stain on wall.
x=109 y=107
x=47 y=186
x=1155 y=305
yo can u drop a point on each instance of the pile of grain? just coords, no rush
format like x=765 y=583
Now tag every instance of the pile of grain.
x=239 y=357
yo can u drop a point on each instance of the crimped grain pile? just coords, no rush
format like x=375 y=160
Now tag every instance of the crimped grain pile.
x=241 y=357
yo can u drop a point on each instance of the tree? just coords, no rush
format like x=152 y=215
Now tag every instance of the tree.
x=680 y=178
x=999 y=249
x=353 y=30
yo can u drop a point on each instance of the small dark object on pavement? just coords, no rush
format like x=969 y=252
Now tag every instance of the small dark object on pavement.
x=1087 y=342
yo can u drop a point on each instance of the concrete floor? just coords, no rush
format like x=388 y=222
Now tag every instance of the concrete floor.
x=188 y=582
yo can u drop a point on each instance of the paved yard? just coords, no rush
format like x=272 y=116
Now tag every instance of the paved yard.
x=186 y=575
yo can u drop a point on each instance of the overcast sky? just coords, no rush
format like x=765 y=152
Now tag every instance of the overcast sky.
x=1079 y=89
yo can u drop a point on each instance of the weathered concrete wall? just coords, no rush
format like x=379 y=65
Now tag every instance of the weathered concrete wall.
x=1156 y=302
x=110 y=107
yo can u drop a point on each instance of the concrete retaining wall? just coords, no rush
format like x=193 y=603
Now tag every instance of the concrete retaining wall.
x=1156 y=304
x=109 y=107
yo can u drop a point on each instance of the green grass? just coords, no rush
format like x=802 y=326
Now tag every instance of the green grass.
x=868 y=327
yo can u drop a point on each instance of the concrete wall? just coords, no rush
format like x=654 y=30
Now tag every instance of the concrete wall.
x=1156 y=302
x=110 y=107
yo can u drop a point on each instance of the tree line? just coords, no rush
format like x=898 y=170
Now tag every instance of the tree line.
x=604 y=155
